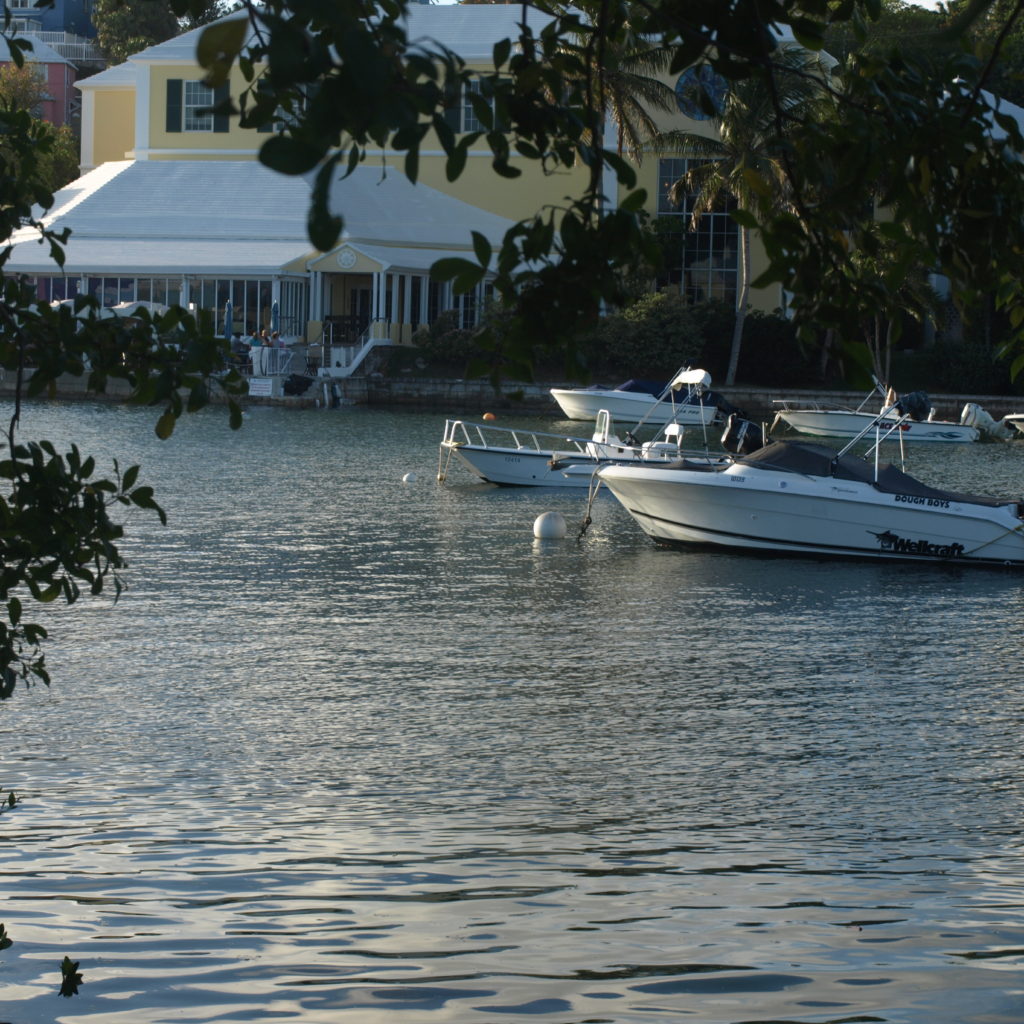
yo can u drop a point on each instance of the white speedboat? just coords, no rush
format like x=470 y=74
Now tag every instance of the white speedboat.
x=685 y=399
x=522 y=457
x=1015 y=420
x=800 y=497
x=824 y=421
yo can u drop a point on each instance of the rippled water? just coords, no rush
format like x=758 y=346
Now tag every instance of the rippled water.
x=350 y=749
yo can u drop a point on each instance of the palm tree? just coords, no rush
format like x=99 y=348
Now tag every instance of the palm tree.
x=744 y=161
x=632 y=90
x=625 y=84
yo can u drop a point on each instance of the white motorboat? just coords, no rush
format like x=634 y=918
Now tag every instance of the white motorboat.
x=1015 y=420
x=801 y=497
x=825 y=421
x=685 y=399
x=522 y=457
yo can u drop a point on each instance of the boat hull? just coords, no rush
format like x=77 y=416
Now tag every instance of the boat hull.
x=512 y=467
x=844 y=423
x=630 y=407
x=1016 y=421
x=745 y=508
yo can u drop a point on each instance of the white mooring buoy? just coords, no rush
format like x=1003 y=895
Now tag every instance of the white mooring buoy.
x=549 y=526
x=409 y=478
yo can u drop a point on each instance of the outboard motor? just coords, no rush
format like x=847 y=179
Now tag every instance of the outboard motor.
x=741 y=437
x=974 y=416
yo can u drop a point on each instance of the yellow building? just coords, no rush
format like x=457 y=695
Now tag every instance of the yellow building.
x=174 y=206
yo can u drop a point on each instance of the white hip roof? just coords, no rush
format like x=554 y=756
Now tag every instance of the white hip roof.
x=239 y=218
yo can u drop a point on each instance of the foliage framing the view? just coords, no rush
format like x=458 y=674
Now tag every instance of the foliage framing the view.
x=925 y=145
x=60 y=521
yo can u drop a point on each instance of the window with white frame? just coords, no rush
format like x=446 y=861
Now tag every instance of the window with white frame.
x=702 y=261
x=470 y=122
x=460 y=113
x=196 y=102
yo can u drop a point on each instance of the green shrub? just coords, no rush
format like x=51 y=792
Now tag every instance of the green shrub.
x=652 y=338
x=444 y=340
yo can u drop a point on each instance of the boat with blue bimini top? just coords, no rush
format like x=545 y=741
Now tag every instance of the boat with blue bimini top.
x=521 y=457
x=685 y=399
x=805 y=498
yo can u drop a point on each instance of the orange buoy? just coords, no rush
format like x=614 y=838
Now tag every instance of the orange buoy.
x=489 y=416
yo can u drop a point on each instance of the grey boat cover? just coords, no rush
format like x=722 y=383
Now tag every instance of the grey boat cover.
x=819 y=460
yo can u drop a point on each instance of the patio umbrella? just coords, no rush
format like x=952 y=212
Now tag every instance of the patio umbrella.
x=275 y=317
x=228 y=310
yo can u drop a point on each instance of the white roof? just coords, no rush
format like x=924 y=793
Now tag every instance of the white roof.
x=238 y=217
x=41 y=52
x=471 y=30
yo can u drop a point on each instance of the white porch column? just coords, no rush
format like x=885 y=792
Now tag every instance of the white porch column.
x=393 y=311
x=142 y=138
x=407 y=299
x=316 y=295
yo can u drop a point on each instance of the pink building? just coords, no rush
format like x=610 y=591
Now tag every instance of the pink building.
x=62 y=102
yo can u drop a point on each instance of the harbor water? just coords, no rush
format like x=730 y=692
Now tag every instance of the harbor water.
x=358 y=748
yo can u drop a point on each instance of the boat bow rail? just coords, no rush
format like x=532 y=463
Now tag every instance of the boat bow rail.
x=461 y=434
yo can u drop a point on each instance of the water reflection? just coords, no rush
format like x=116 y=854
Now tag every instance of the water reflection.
x=348 y=744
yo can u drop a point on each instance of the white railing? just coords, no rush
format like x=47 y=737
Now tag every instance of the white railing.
x=271 y=362
x=67 y=44
x=460 y=432
x=344 y=360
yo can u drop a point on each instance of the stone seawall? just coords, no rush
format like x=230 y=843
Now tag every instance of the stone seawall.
x=470 y=398
x=458 y=397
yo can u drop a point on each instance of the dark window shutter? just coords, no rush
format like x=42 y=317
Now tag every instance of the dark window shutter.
x=174 y=104
x=220 y=121
x=453 y=109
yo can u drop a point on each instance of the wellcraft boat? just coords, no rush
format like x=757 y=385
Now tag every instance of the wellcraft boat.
x=798 y=497
x=685 y=399
x=512 y=456
x=834 y=421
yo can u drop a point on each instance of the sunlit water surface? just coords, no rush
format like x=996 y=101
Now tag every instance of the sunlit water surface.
x=353 y=749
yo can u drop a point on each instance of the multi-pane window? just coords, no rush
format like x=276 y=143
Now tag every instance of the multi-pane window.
x=460 y=112
x=702 y=261
x=55 y=288
x=251 y=303
x=294 y=307
x=186 y=102
x=196 y=98
x=470 y=122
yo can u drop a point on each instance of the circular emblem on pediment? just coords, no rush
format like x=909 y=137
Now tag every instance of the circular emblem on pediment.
x=699 y=88
x=346 y=259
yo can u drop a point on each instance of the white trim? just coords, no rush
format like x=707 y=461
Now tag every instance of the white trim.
x=86 y=155
x=142 y=95
x=185 y=154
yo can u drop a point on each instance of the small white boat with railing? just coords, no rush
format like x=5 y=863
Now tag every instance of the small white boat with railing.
x=820 y=420
x=517 y=456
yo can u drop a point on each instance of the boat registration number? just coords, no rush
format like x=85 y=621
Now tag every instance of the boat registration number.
x=915 y=499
